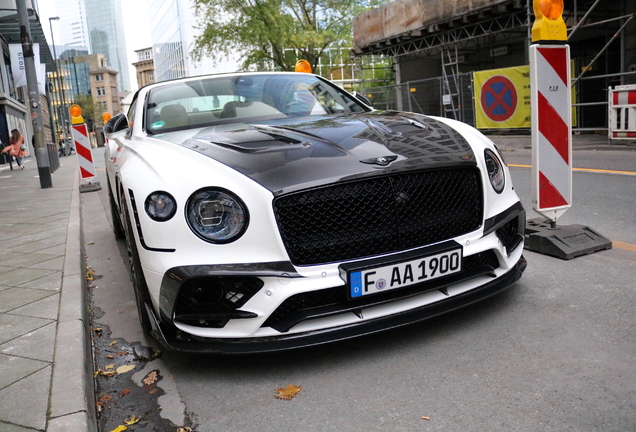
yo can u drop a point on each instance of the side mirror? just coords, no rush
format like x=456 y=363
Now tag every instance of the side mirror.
x=362 y=98
x=116 y=124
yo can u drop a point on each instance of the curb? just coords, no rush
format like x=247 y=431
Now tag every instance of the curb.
x=71 y=403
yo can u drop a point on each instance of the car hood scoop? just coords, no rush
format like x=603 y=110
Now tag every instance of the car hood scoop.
x=296 y=153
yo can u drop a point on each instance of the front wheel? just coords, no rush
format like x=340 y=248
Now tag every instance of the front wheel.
x=142 y=296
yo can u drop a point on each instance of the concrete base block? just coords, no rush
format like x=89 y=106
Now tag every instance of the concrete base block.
x=565 y=241
x=90 y=187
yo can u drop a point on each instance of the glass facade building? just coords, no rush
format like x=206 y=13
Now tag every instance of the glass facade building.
x=72 y=26
x=167 y=43
x=106 y=33
x=173 y=26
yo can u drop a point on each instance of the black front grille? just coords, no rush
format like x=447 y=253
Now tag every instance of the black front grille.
x=335 y=300
x=379 y=215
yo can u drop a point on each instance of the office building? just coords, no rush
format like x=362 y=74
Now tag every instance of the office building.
x=106 y=34
x=72 y=27
x=173 y=30
x=97 y=24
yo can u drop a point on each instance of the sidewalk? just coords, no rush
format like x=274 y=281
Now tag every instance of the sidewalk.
x=45 y=354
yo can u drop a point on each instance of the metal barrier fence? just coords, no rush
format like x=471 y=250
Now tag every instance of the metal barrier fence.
x=590 y=103
x=424 y=97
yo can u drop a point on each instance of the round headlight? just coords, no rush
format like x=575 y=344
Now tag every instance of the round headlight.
x=495 y=171
x=216 y=215
x=160 y=206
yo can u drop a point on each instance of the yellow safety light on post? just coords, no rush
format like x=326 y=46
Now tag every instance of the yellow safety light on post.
x=302 y=66
x=548 y=24
x=106 y=116
x=76 y=114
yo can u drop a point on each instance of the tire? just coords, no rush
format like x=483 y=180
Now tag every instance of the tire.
x=118 y=229
x=142 y=296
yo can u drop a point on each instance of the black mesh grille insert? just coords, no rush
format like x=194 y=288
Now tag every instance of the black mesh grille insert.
x=335 y=300
x=379 y=215
x=508 y=234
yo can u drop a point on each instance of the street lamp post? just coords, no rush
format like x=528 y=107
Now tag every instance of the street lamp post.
x=60 y=87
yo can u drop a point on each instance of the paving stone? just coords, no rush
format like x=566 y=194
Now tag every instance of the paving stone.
x=6 y=427
x=28 y=259
x=52 y=264
x=13 y=368
x=4 y=269
x=55 y=250
x=51 y=282
x=22 y=276
x=38 y=344
x=47 y=308
x=12 y=326
x=37 y=246
x=22 y=406
x=14 y=298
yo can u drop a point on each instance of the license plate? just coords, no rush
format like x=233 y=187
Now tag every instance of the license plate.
x=385 y=278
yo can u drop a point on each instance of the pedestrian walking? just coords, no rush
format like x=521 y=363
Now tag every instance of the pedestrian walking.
x=16 y=147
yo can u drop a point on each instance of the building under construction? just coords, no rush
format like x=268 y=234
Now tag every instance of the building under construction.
x=437 y=45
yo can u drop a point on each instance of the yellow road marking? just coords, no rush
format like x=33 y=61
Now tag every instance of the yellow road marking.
x=624 y=246
x=584 y=169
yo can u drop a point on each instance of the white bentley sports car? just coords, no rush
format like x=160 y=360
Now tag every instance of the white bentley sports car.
x=269 y=211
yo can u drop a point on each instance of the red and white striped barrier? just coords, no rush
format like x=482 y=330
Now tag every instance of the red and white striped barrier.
x=83 y=150
x=622 y=112
x=551 y=103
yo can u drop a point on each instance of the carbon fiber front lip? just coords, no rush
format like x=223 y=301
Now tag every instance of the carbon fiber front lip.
x=176 y=340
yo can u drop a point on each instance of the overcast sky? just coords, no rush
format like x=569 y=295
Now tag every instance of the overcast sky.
x=136 y=27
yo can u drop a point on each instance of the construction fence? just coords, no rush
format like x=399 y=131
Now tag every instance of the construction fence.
x=590 y=100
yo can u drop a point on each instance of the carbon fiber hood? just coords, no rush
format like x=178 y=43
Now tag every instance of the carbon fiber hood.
x=292 y=154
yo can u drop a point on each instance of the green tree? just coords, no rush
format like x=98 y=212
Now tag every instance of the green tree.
x=277 y=32
x=91 y=112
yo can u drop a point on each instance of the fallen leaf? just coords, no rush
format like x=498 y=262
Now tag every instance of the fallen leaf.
x=119 y=428
x=154 y=390
x=121 y=353
x=105 y=398
x=124 y=369
x=91 y=243
x=100 y=406
x=112 y=343
x=150 y=379
x=425 y=418
x=132 y=420
x=184 y=429
x=110 y=356
x=124 y=392
x=110 y=366
x=288 y=392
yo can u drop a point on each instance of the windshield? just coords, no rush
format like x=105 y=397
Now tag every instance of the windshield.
x=241 y=99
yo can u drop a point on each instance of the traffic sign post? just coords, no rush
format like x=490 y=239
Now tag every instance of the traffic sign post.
x=79 y=132
x=551 y=102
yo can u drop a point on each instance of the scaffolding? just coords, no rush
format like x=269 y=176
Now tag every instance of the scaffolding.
x=597 y=38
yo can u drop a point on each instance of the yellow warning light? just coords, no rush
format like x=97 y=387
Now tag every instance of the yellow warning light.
x=76 y=114
x=548 y=24
x=302 y=66
x=106 y=116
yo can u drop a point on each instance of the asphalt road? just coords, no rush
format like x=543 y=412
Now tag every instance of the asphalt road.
x=554 y=352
